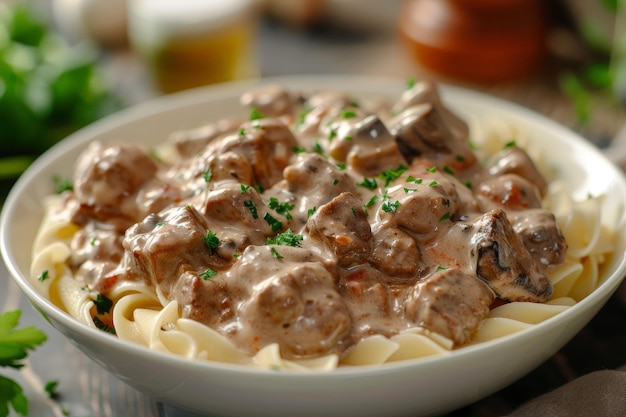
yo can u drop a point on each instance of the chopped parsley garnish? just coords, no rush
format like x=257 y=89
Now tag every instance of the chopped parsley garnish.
x=281 y=208
x=244 y=188
x=347 y=137
x=335 y=181
x=317 y=148
x=409 y=190
x=259 y=188
x=433 y=184
x=448 y=170
x=249 y=204
x=341 y=166
x=93 y=240
x=207 y=175
x=211 y=241
x=468 y=184
x=509 y=144
x=332 y=134
x=391 y=174
x=51 y=389
x=287 y=238
x=310 y=211
x=103 y=304
x=242 y=131
x=208 y=274
x=459 y=158
x=62 y=185
x=347 y=114
x=275 y=254
x=353 y=210
x=302 y=115
x=43 y=276
x=441 y=268
x=372 y=201
x=255 y=114
x=444 y=217
x=414 y=180
x=432 y=169
x=298 y=149
x=368 y=183
x=390 y=207
x=100 y=325
x=274 y=224
x=410 y=83
x=160 y=224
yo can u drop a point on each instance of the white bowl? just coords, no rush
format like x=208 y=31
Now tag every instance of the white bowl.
x=417 y=387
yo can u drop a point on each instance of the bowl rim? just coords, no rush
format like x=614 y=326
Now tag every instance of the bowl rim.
x=384 y=85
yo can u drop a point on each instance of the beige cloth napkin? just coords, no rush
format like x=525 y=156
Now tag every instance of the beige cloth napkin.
x=600 y=393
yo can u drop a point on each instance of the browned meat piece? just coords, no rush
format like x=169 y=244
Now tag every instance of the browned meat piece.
x=204 y=300
x=191 y=142
x=421 y=132
x=107 y=180
x=270 y=100
x=450 y=303
x=161 y=248
x=504 y=263
x=374 y=149
x=429 y=199
x=426 y=91
x=95 y=255
x=541 y=236
x=514 y=160
x=267 y=145
x=322 y=108
x=284 y=295
x=510 y=191
x=230 y=207
x=317 y=180
x=395 y=253
x=342 y=227
x=231 y=166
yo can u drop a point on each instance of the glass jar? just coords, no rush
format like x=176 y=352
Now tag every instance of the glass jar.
x=190 y=43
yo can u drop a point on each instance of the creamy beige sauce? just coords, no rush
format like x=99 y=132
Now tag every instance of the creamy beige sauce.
x=319 y=223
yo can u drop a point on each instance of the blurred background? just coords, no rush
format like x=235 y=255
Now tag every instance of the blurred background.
x=67 y=63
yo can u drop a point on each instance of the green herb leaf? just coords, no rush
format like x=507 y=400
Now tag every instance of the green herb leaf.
x=368 y=183
x=208 y=274
x=287 y=238
x=43 y=276
x=211 y=241
x=274 y=224
x=103 y=304
x=255 y=114
x=281 y=208
x=249 y=204
x=391 y=174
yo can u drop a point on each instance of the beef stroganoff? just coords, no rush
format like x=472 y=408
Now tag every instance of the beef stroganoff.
x=319 y=232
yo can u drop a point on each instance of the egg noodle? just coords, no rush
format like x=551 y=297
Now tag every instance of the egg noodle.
x=143 y=316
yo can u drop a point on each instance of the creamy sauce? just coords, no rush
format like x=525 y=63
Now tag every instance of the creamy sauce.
x=320 y=223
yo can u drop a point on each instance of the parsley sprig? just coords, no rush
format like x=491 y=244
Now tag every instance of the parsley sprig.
x=14 y=346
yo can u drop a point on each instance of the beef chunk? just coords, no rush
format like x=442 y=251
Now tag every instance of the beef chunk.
x=342 y=227
x=504 y=263
x=541 y=236
x=514 y=160
x=394 y=252
x=450 y=303
x=510 y=191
